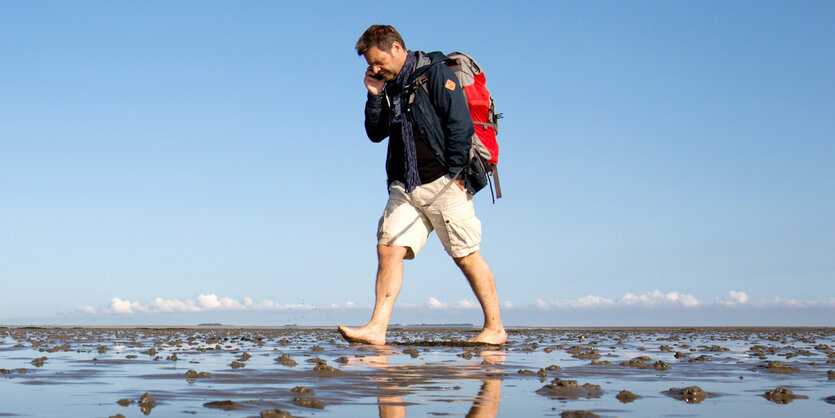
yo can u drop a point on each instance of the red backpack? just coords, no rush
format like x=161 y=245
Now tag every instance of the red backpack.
x=483 y=112
x=485 y=149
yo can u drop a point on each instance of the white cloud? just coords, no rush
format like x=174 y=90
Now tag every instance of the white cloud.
x=466 y=304
x=733 y=298
x=204 y=303
x=779 y=302
x=86 y=309
x=434 y=303
x=508 y=304
x=651 y=299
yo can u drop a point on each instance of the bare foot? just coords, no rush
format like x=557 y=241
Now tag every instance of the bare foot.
x=365 y=335
x=490 y=336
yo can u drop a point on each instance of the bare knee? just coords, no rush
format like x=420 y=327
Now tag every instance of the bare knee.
x=391 y=252
x=469 y=259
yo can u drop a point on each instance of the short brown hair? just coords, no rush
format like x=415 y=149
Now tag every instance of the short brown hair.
x=380 y=36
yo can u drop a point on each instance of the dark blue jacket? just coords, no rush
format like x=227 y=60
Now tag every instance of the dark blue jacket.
x=440 y=114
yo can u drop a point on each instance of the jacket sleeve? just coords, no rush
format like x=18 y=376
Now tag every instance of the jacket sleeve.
x=376 y=117
x=451 y=105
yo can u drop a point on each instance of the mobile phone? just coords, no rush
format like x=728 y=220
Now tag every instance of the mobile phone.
x=376 y=76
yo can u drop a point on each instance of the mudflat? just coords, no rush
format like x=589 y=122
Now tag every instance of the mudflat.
x=282 y=372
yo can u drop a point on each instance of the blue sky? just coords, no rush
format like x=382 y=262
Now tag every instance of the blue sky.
x=181 y=162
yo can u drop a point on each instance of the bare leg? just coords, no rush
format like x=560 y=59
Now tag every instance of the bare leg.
x=389 y=280
x=484 y=286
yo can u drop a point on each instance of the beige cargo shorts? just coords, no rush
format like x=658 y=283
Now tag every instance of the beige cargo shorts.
x=407 y=220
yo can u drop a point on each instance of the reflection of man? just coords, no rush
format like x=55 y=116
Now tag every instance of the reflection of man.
x=428 y=149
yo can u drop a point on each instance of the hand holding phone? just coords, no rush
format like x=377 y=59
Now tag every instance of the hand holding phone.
x=373 y=81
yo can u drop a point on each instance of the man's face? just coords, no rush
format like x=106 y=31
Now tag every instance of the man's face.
x=386 y=64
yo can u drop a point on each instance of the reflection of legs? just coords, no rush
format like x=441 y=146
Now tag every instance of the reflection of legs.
x=487 y=402
x=484 y=286
x=389 y=280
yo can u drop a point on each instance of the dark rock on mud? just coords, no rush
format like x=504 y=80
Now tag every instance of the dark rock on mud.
x=245 y=357
x=303 y=390
x=275 y=413
x=317 y=348
x=309 y=403
x=323 y=369
x=147 y=403
x=782 y=395
x=578 y=414
x=830 y=399
x=125 y=402
x=626 y=396
x=679 y=354
x=660 y=365
x=38 y=362
x=117 y=416
x=285 y=360
x=224 y=405
x=192 y=374
x=777 y=367
x=666 y=348
x=831 y=374
x=690 y=394
x=342 y=360
x=237 y=364
x=569 y=389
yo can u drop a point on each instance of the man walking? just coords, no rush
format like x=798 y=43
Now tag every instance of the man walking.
x=429 y=129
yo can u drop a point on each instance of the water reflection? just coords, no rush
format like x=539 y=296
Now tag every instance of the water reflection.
x=398 y=380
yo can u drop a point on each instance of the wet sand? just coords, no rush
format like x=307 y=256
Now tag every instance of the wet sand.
x=281 y=372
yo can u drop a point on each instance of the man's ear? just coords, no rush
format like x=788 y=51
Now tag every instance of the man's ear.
x=396 y=48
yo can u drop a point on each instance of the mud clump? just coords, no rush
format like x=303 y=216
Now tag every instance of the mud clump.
x=125 y=402
x=285 y=360
x=342 y=360
x=578 y=414
x=639 y=362
x=569 y=389
x=777 y=367
x=224 y=405
x=38 y=362
x=309 y=403
x=626 y=396
x=275 y=413
x=660 y=365
x=679 y=354
x=782 y=395
x=690 y=394
x=192 y=374
x=831 y=374
x=322 y=369
x=303 y=390
x=237 y=364
x=666 y=348
x=117 y=416
x=147 y=403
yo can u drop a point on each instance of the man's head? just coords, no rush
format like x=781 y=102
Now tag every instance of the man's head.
x=384 y=51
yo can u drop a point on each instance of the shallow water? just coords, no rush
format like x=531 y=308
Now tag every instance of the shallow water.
x=425 y=372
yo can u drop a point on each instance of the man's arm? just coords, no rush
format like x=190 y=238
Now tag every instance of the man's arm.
x=376 y=117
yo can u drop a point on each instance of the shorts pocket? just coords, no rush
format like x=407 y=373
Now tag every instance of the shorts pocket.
x=462 y=227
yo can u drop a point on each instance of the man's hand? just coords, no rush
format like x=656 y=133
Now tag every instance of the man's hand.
x=461 y=185
x=373 y=84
